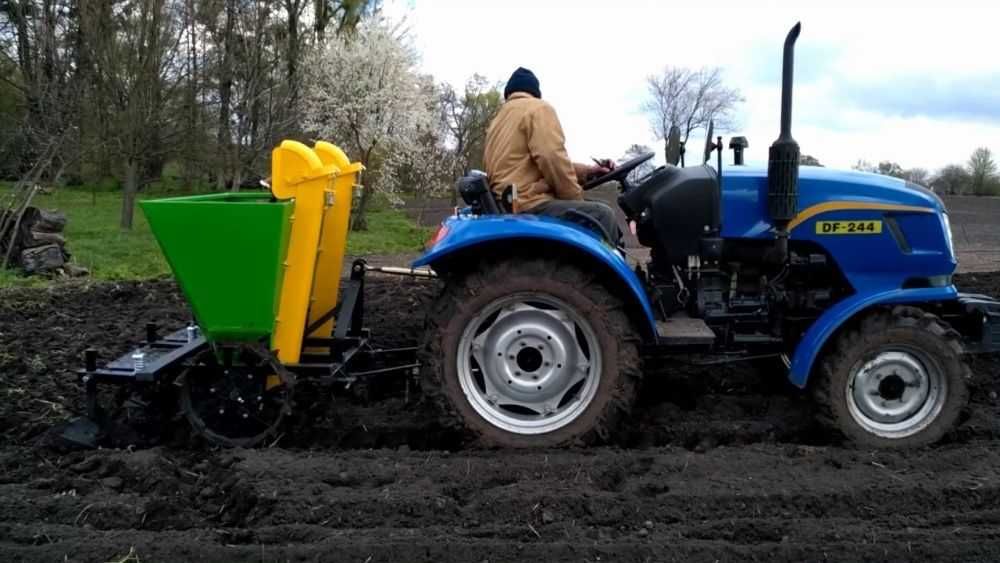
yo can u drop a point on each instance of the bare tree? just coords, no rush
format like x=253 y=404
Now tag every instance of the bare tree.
x=982 y=169
x=952 y=179
x=466 y=116
x=42 y=37
x=635 y=151
x=918 y=176
x=136 y=79
x=225 y=72
x=688 y=99
x=863 y=165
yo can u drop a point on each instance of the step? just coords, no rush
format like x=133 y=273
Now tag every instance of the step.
x=684 y=331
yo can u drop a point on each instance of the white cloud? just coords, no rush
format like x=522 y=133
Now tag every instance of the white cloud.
x=592 y=57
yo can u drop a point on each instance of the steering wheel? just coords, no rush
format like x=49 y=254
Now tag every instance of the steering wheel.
x=709 y=144
x=620 y=172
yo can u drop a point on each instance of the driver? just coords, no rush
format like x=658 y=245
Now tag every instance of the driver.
x=526 y=148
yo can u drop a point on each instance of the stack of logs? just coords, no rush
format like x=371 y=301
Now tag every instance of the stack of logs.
x=35 y=244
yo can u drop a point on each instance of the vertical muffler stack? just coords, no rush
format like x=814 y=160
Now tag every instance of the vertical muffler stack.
x=783 y=157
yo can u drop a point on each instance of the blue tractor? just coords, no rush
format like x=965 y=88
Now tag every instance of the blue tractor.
x=844 y=279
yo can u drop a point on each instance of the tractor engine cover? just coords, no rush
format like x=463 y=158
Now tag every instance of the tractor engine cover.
x=674 y=208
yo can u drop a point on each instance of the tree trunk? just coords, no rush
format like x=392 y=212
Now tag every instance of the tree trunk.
x=225 y=93
x=191 y=149
x=294 y=9
x=237 y=176
x=360 y=221
x=129 y=191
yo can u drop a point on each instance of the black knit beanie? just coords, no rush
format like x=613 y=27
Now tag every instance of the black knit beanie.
x=523 y=80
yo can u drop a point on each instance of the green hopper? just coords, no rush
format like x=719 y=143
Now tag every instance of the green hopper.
x=226 y=251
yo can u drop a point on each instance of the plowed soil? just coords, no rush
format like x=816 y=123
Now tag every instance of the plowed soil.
x=720 y=463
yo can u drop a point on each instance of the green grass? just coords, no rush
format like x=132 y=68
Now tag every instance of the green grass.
x=389 y=231
x=97 y=243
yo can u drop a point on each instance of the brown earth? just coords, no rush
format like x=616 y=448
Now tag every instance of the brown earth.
x=719 y=464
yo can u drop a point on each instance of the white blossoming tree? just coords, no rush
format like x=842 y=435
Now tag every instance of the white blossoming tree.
x=363 y=93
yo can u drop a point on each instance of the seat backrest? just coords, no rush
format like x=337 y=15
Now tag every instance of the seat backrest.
x=507 y=199
x=475 y=191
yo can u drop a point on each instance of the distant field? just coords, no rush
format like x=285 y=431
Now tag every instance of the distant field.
x=975 y=225
x=96 y=242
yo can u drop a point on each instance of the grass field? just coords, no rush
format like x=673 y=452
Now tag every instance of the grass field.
x=96 y=242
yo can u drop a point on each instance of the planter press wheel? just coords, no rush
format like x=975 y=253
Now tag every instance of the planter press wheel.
x=236 y=396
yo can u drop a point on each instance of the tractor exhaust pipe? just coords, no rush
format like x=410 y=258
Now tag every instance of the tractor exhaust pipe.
x=783 y=157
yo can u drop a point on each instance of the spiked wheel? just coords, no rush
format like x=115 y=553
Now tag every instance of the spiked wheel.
x=236 y=396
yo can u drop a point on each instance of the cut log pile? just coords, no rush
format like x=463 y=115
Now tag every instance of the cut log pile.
x=34 y=243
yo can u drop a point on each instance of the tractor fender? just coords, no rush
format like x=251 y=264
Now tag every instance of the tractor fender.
x=829 y=322
x=460 y=234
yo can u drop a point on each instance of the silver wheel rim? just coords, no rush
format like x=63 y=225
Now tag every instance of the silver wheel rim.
x=897 y=393
x=529 y=364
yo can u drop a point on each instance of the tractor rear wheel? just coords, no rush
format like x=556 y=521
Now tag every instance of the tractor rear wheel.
x=530 y=353
x=897 y=380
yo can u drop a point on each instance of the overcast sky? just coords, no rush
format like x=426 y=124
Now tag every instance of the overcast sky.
x=915 y=82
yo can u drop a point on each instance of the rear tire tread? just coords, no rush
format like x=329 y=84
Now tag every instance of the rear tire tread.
x=453 y=301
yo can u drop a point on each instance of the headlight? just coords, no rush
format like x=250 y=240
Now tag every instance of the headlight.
x=947 y=233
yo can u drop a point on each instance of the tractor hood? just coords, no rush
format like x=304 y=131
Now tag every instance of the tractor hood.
x=745 y=188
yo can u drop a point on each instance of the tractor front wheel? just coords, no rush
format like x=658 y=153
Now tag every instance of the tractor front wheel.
x=530 y=354
x=895 y=381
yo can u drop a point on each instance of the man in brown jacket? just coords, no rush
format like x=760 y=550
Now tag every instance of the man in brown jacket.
x=525 y=147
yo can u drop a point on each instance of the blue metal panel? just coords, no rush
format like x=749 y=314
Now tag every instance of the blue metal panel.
x=464 y=231
x=821 y=330
x=744 y=195
x=875 y=265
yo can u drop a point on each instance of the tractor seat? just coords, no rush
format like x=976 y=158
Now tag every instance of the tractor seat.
x=475 y=191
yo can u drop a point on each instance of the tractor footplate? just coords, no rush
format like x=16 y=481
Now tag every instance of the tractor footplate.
x=684 y=331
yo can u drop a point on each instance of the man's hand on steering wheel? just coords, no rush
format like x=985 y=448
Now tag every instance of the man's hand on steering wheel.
x=600 y=168
x=614 y=172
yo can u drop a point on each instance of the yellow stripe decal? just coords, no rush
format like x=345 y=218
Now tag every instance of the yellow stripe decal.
x=810 y=212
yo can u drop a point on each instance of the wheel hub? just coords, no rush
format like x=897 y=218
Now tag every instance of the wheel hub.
x=896 y=393
x=527 y=364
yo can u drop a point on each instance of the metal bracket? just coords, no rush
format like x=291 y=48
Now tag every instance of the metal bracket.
x=158 y=356
x=989 y=311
